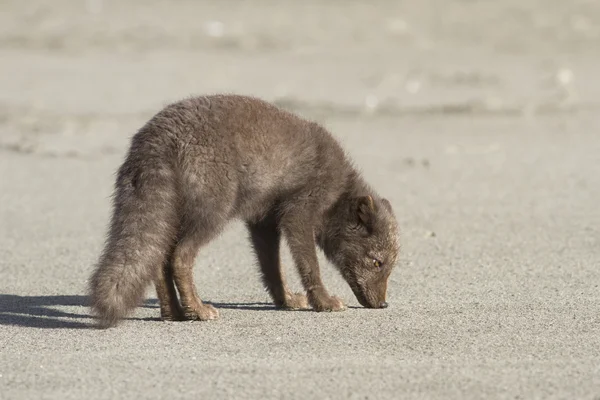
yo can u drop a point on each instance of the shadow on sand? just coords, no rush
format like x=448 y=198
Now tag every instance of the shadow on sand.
x=42 y=312
x=257 y=306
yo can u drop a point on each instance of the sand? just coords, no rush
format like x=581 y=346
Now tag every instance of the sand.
x=478 y=120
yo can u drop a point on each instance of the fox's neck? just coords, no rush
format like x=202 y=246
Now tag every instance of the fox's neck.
x=355 y=187
x=341 y=210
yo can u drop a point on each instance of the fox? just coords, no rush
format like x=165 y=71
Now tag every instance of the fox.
x=206 y=160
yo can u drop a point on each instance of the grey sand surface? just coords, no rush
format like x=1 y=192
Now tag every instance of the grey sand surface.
x=477 y=120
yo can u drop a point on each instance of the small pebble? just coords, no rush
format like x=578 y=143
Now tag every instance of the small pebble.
x=371 y=102
x=564 y=76
x=214 y=28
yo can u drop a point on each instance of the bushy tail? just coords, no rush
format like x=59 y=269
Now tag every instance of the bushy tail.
x=141 y=234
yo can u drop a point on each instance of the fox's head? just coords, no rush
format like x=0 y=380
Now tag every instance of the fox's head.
x=360 y=237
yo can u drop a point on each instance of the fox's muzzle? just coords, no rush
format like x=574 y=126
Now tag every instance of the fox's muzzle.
x=371 y=297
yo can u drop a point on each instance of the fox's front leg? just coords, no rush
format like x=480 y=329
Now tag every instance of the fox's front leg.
x=266 y=238
x=301 y=241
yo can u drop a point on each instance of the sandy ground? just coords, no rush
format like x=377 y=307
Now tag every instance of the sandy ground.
x=478 y=120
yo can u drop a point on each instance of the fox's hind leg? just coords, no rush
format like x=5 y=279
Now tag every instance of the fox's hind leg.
x=266 y=238
x=183 y=273
x=207 y=202
x=170 y=309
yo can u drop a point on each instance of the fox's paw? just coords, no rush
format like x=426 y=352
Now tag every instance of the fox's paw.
x=172 y=313
x=203 y=312
x=169 y=316
x=295 y=301
x=332 y=303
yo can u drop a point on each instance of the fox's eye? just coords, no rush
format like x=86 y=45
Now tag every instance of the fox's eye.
x=377 y=263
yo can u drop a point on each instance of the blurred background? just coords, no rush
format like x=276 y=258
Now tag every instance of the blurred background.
x=79 y=76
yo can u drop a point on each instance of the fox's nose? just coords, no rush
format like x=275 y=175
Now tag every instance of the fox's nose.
x=383 y=304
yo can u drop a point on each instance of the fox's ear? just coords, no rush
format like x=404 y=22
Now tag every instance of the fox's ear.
x=387 y=204
x=365 y=210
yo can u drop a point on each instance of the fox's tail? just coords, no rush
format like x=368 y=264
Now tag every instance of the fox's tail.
x=141 y=234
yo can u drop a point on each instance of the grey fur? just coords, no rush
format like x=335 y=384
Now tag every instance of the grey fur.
x=202 y=162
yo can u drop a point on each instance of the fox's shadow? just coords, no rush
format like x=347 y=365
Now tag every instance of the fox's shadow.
x=42 y=312
x=255 y=306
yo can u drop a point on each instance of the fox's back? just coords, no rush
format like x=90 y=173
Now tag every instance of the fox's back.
x=255 y=149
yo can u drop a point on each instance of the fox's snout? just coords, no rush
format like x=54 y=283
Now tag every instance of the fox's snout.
x=372 y=297
x=380 y=304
